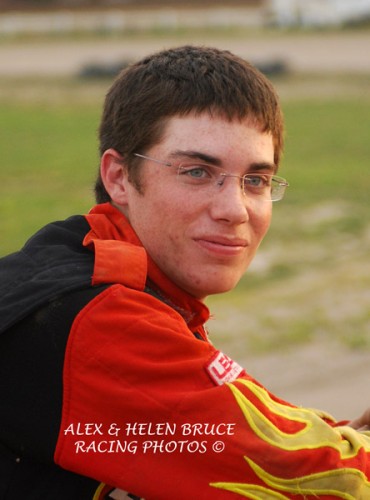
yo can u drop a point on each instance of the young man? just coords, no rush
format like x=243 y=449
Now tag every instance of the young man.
x=110 y=387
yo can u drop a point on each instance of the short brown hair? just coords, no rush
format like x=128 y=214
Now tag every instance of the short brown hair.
x=179 y=81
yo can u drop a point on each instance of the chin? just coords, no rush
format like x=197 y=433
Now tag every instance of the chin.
x=221 y=289
x=220 y=283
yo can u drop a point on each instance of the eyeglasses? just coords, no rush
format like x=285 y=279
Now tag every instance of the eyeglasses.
x=201 y=176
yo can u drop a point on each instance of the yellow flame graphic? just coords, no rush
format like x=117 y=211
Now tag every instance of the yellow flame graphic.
x=346 y=482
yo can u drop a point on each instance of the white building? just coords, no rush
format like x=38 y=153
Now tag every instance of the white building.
x=317 y=12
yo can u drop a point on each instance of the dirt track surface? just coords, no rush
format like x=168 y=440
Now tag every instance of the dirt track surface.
x=330 y=52
x=319 y=375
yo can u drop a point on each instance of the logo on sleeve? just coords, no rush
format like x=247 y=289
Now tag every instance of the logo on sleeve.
x=105 y=492
x=223 y=369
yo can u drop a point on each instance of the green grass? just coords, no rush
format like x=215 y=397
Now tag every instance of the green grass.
x=328 y=149
x=311 y=277
x=49 y=162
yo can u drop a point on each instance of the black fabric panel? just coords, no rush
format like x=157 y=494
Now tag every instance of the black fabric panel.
x=31 y=480
x=52 y=262
x=31 y=368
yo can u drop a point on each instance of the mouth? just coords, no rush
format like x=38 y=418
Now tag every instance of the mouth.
x=223 y=246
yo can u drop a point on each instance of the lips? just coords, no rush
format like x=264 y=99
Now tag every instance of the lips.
x=222 y=245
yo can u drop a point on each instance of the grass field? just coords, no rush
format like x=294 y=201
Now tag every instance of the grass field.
x=312 y=276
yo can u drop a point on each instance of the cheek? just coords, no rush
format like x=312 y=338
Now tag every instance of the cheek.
x=165 y=233
x=262 y=220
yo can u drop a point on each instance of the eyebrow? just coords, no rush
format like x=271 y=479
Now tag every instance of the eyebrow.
x=217 y=162
x=197 y=155
x=255 y=167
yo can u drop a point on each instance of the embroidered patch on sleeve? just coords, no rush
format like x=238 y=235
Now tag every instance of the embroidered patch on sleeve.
x=223 y=369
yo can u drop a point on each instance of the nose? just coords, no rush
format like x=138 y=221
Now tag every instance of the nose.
x=229 y=203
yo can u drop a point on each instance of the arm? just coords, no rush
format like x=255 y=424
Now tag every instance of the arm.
x=131 y=362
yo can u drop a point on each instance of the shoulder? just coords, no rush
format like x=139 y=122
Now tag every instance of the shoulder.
x=122 y=327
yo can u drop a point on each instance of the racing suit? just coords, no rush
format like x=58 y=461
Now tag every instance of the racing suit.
x=110 y=387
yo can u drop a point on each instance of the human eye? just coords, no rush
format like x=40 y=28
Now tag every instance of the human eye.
x=257 y=180
x=195 y=173
x=259 y=184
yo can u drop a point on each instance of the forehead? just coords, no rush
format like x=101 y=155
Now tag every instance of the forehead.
x=216 y=135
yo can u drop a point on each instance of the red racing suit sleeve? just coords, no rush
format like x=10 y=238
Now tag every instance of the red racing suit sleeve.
x=141 y=412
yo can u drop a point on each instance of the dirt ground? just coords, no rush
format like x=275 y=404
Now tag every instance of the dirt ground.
x=322 y=52
x=320 y=375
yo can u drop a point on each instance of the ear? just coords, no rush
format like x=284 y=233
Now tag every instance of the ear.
x=114 y=176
